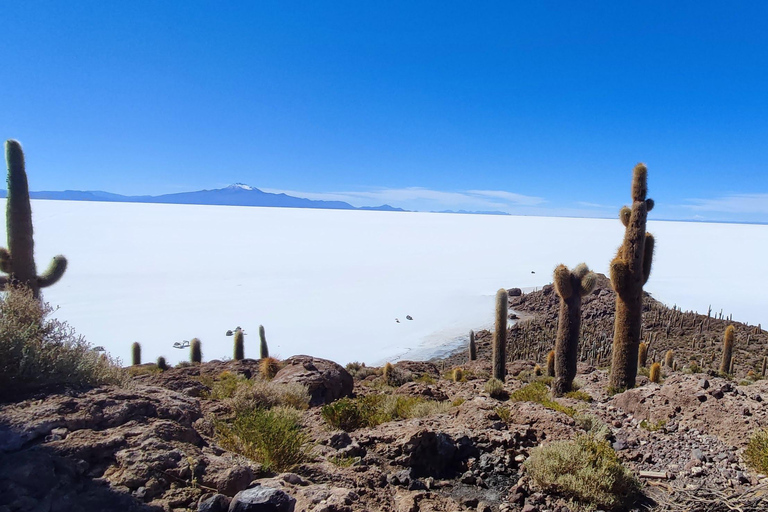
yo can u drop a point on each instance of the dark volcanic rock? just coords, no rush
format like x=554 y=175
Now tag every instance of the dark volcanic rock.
x=262 y=499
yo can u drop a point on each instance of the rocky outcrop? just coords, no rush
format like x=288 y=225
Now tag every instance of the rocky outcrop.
x=325 y=380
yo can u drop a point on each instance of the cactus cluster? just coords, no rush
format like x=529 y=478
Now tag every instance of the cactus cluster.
x=630 y=270
x=18 y=260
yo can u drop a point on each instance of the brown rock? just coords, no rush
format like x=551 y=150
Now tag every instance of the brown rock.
x=325 y=380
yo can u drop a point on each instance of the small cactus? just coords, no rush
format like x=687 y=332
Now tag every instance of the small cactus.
x=669 y=358
x=472 y=346
x=570 y=286
x=161 y=363
x=551 y=363
x=642 y=355
x=263 y=349
x=387 y=372
x=195 y=351
x=499 y=360
x=655 y=373
x=268 y=368
x=725 y=364
x=136 y=353
x=239 y=345
x=458 y=375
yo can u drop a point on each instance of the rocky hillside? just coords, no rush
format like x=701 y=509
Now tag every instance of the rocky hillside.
x=696 y=339
x=156 y=443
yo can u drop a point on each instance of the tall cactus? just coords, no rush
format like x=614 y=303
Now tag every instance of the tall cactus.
x=18 y=261
x=725 y=364
x=263 y=349
x=642 y=355
x=630 y=270
x=239 y=345
x=195 y=351
x=570 y=286
x=136 y=353
x=472 y=346
x=499 y=358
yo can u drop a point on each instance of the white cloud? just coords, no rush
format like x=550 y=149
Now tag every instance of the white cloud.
x=732 y=203
x=424 y=199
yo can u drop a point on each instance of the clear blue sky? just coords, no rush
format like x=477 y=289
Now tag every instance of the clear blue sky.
x=533 y=107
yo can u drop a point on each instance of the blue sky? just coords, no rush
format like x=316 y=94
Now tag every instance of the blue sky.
x=530 y=108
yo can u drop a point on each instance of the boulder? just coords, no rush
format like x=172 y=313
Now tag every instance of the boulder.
x=325 y=380
x=262 y=499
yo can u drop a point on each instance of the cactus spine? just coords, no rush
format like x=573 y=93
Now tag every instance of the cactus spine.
x=136 y=353
x=725 y=364
x=669 y=359
x=629 y=271
x=19 y=259
x=551 y=363
x=499 y=359
x=195 y=351
x=263 y=349
x=642 y=355
x=472 y=346
x=655 y=374
x=570 y=286
x=239 y=345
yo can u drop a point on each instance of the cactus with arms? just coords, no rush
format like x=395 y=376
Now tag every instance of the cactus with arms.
x=18 y=261
x=570 y=286
x=630 y=270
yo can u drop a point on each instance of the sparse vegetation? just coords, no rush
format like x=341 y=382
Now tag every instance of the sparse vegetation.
x=352 y=413
x=579 y=395
x=585 y=470
x=268 y=368
x=539 y=393
x=272 y=437
x=756 y=452
x=37 y=352
x=653 y=426
x=246 y=394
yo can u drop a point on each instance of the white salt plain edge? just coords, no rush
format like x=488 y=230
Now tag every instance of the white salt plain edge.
x=331 y=283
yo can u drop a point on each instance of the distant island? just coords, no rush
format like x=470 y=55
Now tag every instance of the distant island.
x=238 y=194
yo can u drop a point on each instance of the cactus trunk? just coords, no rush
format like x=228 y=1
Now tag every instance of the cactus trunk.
x=136 y=354
x=725 y=364
x=239 y=345
x=472 y=346
x=499 y=359
x=630 y=270
x=642 y=355
x=263 y=349
x=195 y=351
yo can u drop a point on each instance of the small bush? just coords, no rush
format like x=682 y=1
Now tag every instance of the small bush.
x=539 y=393
x=756 y=452
x=37 y=352
x=579 y=395
x=425 y=378
x=368 y=411
x=495 y=388
x=653 y=427
x=268 y=368
x=593 y=425
x=243 y=394
x=272 y=437
x=503 y=413
x=586 y=470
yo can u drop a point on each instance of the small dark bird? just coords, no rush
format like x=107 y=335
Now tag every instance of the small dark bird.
x=229 y=332
x=408 y=317
x=397 y=320
x=532 y=272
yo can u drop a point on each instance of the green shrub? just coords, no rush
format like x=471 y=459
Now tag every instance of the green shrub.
x=579 y=395
x=246 y=394
x=756 y=452
x=653 y=427
x=593 y=425
x=586 y=470
x=368 y=411
x=503 y=413
x=37 y=352
x=272 y=437
x=539 y=393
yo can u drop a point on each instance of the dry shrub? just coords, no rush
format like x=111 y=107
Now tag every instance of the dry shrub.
x=268 y=368
x=247 y=394
x=368 y=411
x=586 y=470
x=272 y=437
x=756 y=452
x=38 y=352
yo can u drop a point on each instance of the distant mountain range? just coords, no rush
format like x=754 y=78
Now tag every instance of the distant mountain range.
x=238 y=194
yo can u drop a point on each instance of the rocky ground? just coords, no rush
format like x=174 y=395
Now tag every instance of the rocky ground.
x=151 y=445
